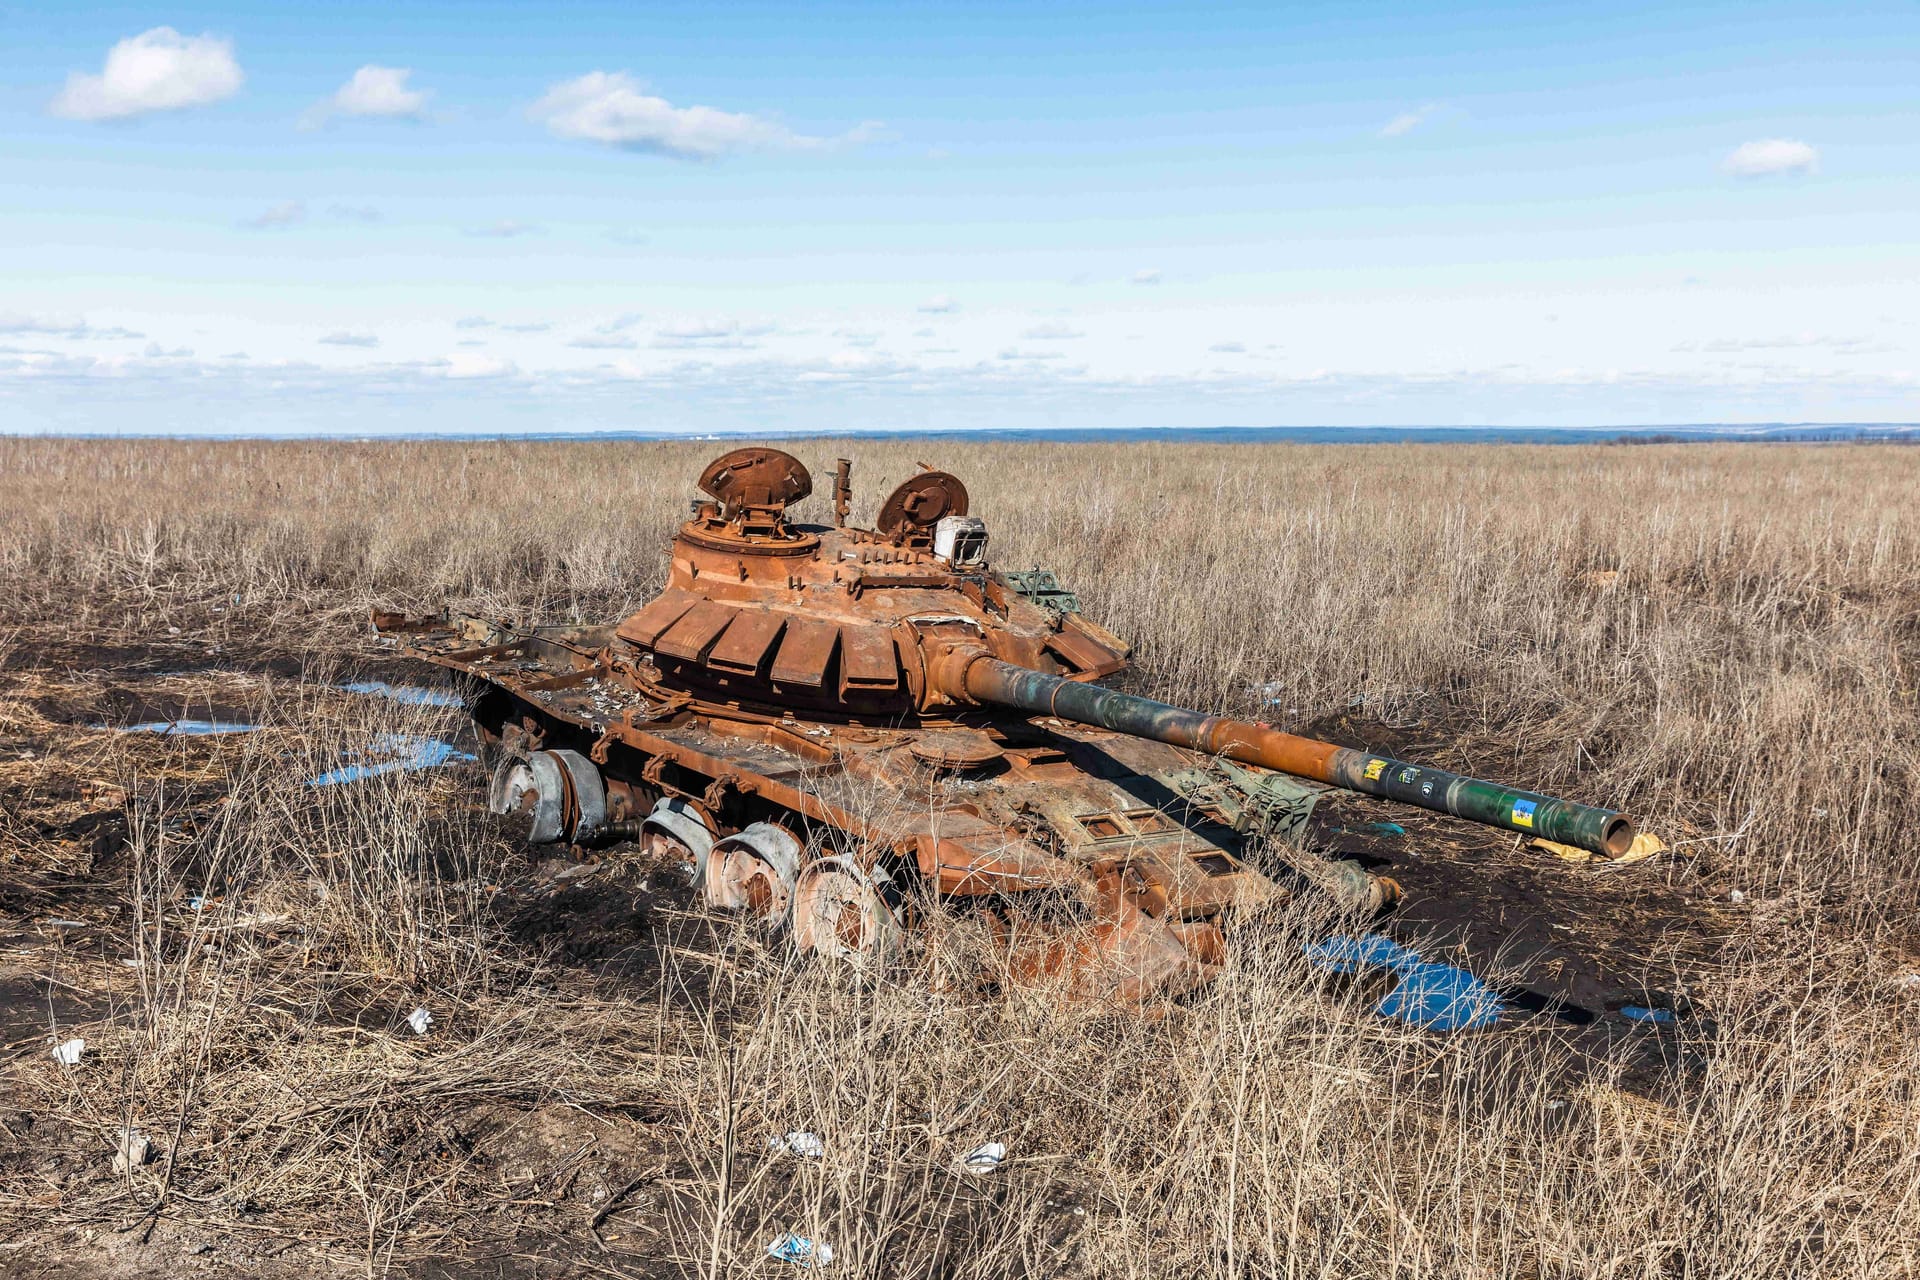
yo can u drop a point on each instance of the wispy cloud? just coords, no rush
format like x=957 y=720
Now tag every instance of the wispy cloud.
x=484 y=322
x=353 y=212
x=939 y=304
x=1229 y=348
x=463 y=365
x=483 y=392
x=1051 y=331
x=157 y=70
x=1785 y=342
x=56 y=327
x=374 y=92
x=1149 y=276
x=615 y=110
x=1768 y=156
x=604 y=342
x=344 y=339
x=155 y=351
x=505 y=229
x=710 y=335
x=1407 y=121
x=285 y=214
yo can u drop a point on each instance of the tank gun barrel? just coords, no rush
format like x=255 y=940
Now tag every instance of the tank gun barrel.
x=1601 y=831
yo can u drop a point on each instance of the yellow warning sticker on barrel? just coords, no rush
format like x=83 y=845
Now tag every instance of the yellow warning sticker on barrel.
x=1523 y=813
x=1374 y=769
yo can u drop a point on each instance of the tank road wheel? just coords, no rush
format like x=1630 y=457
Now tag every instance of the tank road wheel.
x=586 y=796
x=537 y=786
x=561 y=789
x=840 y=910
x=676 y=831
x=753 y=870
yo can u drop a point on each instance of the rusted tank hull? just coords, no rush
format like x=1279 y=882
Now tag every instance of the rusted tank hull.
x=831 y=724
x=1150 y=854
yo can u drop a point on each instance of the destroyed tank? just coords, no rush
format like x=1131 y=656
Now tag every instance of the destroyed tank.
x=834 y=727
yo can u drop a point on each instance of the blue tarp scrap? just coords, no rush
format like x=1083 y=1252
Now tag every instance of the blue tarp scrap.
x=1429 y=995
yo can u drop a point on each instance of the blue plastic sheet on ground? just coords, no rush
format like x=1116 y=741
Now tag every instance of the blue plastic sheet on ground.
x=190 y=728
x=1641 y=1014
x=393 y=753
x=1355 y=955
x=1440 y=997
x=412 y=695
x=1429 y=995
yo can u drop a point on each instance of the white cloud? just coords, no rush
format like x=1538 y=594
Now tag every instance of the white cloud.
x=1830 y=342
x=613 y=109
x=627 y=235
x=155 y=351
x=354 y=212
x=465 y=365
x=1014 y=353
x=470 y=391
x=1407 y=121
x=939 y=304
x=620 y=323
x=157 y=70
x=473 y=322
x=57 y=327
x=1149 y=276
x=284 y=214
x=1768 y=156
x=604 y=342
x=710 y=334
x=344 y=339
x=505 y=229
x=1229 y=348
x=374 y=92
x=1053 y=332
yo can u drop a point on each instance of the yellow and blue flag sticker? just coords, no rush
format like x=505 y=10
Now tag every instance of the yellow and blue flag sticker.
x=1523 y=812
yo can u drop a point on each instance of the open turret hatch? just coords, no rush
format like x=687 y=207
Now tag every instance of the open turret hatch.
x=752 y=489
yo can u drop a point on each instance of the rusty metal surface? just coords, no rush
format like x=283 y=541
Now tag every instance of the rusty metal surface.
x=800 y=695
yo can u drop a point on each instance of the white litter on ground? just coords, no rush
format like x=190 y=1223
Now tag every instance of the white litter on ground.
x=807 y=1146
x=801 y=1251
x=984 y=1158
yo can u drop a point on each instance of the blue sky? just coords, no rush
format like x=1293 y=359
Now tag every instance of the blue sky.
x=412 y=217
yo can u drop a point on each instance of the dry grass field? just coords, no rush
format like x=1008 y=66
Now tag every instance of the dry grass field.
x=1723 y=640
